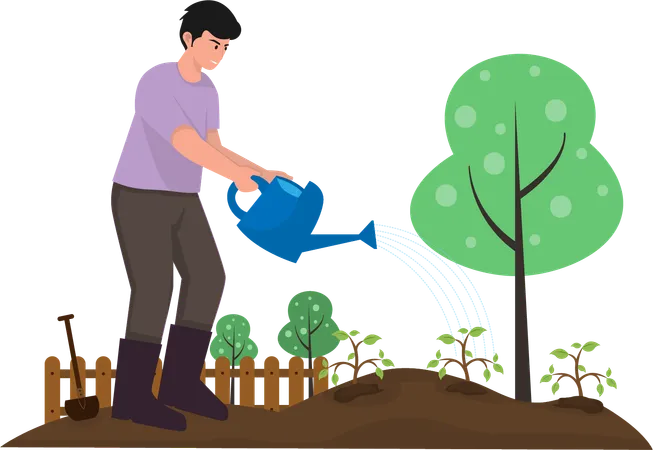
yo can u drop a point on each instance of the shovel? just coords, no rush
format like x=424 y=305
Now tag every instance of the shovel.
x=80 y=408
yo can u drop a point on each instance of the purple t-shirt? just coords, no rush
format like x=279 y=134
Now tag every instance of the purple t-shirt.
x=165 y=101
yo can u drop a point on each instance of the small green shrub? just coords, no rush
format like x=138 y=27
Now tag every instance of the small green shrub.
x=233 y=342
x=449 y=339
x=562 y=354
x=369 y=340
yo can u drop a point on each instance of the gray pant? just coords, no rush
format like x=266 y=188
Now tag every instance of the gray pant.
x=157 y=229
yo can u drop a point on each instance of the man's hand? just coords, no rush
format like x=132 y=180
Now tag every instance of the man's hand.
x=243 y=179
x=269 y=175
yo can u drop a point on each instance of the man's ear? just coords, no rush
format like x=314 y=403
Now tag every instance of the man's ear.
x=188 y=39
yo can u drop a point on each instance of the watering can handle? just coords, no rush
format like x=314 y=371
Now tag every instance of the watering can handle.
x=233 y=190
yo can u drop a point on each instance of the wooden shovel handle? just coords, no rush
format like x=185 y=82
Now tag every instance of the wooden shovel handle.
x=66 y=317
x=73 y=355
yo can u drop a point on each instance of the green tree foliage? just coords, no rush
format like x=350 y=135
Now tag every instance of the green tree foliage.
x=524 y=192
x=309 y=334
x=234 y=338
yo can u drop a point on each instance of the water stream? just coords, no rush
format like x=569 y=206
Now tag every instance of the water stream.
x=390 y=239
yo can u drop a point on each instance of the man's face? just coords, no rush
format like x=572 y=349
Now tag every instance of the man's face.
x=207 y=50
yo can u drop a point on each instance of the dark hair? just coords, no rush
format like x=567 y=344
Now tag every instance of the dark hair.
x=211 y=16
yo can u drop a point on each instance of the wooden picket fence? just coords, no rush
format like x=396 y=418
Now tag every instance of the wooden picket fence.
x=222 y=373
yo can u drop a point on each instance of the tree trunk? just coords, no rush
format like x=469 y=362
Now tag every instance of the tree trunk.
x=522 y=359
x=233 y=395
x=355 y=345
x=309 y=362
x=578 y=379
x=310 y=366
x=579 y=386
x=233 y=367
x=464 y=366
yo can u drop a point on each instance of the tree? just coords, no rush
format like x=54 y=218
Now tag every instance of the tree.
x=233 y=342
x=309 y=334
x=524 y=192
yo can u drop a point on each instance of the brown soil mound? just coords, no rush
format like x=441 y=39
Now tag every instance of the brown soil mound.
x=411 y=410
x=467 y=388
x=589 y=405
x=347 y=393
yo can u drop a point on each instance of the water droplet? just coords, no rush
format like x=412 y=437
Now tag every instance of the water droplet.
x=485 y=75
x=470 y=242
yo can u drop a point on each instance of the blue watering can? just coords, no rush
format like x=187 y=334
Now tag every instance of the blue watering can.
x=283 y=217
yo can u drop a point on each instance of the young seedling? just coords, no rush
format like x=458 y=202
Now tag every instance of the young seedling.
x=552 y=378
x=449 y=339
x=369 y=340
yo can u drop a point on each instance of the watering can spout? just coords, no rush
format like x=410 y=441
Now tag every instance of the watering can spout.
x=322 y=241
x=290 y=247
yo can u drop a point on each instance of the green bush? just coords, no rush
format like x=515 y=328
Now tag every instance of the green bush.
x=464 y=364
x=578 y=368
x=369 y=340
x=233 y=342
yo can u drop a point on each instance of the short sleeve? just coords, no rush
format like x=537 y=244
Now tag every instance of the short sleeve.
x=157 y=106
x=213 y=111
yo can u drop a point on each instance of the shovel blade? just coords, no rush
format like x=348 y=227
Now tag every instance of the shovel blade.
x=82 y=408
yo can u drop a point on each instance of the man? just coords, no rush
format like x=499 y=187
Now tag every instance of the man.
x=160 y=222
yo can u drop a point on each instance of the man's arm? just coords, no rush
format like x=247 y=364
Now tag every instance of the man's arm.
x=213 y=138
x=191 y=145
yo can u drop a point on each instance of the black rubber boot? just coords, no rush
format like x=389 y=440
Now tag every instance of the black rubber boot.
x=181 y=386
x=133 y=399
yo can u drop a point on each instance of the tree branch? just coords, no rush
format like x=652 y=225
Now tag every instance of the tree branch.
x=371 y=361
x=562 y=375
x=225 y=339
x=336 y=365
x=462 y=345
x=240 y=353
x=355 y=344
x=318 y=325
x=497 y=230
x=536 y=182
x=339 y=364
x=450 y=360
x=483 y=362
x=300 y=339
x=598 y=377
